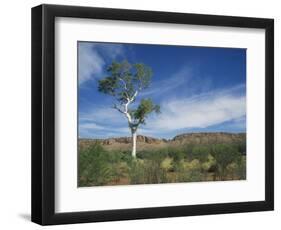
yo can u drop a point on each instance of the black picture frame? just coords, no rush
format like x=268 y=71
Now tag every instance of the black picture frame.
x=43 y=114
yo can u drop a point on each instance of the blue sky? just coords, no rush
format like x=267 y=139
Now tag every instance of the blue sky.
x=199 y=89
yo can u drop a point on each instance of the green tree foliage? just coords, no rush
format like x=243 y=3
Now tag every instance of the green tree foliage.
x=125 y=79
x=145 y=107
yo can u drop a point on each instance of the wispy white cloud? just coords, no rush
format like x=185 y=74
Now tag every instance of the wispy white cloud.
x=92 y=58
x=110 y=51
x=94 y=126
x=103 y=122
x=89 y=129
x=91 y=126
x=90 y=62
x=105 y=115
x=163 y=86
x=201 y=111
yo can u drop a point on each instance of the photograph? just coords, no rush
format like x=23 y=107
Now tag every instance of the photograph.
x=154 y=113
x=140 y=114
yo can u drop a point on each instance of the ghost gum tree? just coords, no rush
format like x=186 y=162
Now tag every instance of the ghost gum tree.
x=124 y=83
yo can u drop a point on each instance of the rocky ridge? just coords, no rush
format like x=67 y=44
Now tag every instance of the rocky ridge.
x=150 y=142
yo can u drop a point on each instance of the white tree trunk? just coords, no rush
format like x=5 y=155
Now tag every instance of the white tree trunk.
x=134 y=143
x=132 y=126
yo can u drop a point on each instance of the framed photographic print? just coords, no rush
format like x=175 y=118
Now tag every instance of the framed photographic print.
x=142 y=114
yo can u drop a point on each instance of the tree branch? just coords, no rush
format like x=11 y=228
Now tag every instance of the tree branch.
x=134 y=96
x=125 y=111
x=125 y=87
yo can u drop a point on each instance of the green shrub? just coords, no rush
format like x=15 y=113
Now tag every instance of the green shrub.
x=187 y=171
x=187 y=149
x=119 y=170
x=176 y=153
x=193 y=171
x=136 y=172
x=167 y=164
x=158 y=154
x=241 y=147
x=241 y=168
x=154 y=173
x=94 y=166
x=147 y=172
x=224 y=155
x=200 y=153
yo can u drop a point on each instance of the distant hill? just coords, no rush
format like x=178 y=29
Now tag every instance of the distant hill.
x=144 y=142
